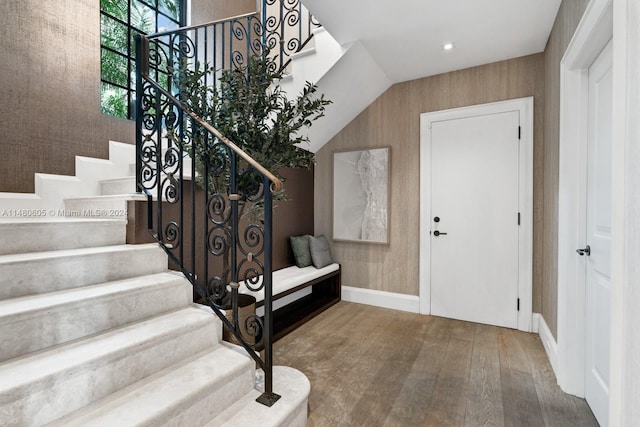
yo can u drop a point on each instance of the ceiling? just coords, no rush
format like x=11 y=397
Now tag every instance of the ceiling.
x=405 y=37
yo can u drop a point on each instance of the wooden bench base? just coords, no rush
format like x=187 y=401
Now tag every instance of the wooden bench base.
x=325 y=292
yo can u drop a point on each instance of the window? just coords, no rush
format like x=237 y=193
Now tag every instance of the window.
x=120 y=21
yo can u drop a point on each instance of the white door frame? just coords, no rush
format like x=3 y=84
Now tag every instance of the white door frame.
x=525 y=238
x=591 y=36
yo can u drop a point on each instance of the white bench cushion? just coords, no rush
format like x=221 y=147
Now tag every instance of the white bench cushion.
x=288 y=278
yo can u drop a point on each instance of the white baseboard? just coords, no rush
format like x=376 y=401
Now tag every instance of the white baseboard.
x=402 y=302
x=549 y=343
x=535 y=320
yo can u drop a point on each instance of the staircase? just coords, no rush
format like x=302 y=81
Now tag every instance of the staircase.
x=94 y=331
x=52 y=191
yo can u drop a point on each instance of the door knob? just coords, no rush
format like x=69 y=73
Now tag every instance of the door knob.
x=586 y=251
x=436 y=219
x=439 y=233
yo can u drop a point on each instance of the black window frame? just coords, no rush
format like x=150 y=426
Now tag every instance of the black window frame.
x=129 y=56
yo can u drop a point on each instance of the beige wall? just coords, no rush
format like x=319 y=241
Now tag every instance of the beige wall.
x=566 y=22
x=50 y=83
x=209 y=10
x=393 y=119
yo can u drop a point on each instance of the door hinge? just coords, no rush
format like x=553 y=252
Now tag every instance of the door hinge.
x=519 y=132
x=518 y=218
x=518 y=304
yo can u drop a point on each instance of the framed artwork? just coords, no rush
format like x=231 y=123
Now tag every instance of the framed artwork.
x=361 y=195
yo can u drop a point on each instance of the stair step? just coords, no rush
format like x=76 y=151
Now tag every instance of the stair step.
x=90 y=171
x=116 y=186
x=36 y=322
x=44 y=386
x=187 y=394
x=290 y=410
x=112 y=206
x=43 y=272
x=122 y=154
x=56 y=187
x=49 y=234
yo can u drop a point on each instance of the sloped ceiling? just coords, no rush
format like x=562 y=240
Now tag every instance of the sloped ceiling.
x=405 y=37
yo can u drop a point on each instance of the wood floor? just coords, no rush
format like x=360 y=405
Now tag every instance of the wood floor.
x=370 y=366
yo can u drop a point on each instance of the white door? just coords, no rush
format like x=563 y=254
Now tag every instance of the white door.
x=598 y=258
x=474 y=200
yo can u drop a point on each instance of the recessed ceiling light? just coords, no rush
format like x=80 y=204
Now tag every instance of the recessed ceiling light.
x=448 y=46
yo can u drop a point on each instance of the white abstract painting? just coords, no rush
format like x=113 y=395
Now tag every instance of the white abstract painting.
x=360 y=195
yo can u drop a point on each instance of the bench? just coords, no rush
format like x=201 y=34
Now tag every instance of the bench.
x=299 y=294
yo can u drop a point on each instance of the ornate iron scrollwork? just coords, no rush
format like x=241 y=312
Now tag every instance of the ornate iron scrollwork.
x=176 y=155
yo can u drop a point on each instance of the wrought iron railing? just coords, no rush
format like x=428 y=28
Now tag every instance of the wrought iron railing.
x=199 y=183
x=288 y=28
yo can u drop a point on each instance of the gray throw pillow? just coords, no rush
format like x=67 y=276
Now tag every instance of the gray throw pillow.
x=301 y=252
x=320 y=251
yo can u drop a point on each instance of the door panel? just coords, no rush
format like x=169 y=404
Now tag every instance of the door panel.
x=474 y=180
x=598 y=264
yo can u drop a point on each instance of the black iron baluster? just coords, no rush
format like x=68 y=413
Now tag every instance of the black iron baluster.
x=282 y=37
x=268 y=398
x=248 y=35
x=206 y=54
x=158 y=155
x=215 y=53
x=235 y=225
x=205 y=204
x=192 y=154
x=142 y=61
x=223 y=46
x=300 y=22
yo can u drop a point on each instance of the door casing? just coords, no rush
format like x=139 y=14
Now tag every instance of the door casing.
x=525 y=235
x=598 y=263
x=591 y=36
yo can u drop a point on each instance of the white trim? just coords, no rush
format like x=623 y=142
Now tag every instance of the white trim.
x=402 y=302
x=548 y=342
x=535 y=322
x=525 y=252
x=592 y=34
x=624 y=254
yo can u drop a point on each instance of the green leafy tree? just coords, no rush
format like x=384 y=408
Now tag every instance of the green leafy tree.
x=249 y=107
x=115 y=35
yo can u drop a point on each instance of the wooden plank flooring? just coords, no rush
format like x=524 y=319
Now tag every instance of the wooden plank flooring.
x=370 y=366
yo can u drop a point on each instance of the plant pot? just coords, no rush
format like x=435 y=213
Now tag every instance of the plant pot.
x=246 y=307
